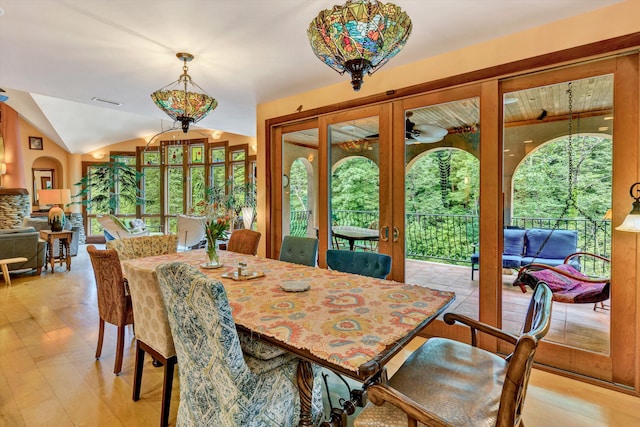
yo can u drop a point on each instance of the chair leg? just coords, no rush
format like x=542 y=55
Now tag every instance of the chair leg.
x=137 y=375
x=169 y=366
x=117 y=367
x=100 y=337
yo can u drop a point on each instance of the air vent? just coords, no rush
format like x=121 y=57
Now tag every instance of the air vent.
x=106 y=101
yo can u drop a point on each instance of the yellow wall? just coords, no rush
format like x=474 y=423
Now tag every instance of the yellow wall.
x=599 y=25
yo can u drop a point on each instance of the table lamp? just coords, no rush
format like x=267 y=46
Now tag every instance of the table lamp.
x=57 y=198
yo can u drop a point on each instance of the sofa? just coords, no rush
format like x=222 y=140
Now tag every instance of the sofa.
x=42 y=223
x=539 y=245
x=23 y=242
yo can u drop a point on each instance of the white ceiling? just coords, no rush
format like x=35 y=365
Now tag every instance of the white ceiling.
x=56 y=55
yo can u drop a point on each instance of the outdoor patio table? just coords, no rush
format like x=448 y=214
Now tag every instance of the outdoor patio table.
x=352 y=234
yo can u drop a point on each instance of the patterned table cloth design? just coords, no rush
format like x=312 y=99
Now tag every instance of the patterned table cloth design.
x=343 y=318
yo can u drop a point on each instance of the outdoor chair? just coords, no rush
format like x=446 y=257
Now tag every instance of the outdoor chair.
x=217 y=386
x=190 y=231
x=114 y=306
x=299 y=250
x=115 y=229
x=244 y=241
x=567 y=284
x=449 y=383
x=369 y=264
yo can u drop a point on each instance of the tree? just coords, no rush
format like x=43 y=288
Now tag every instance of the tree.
x=542 y=183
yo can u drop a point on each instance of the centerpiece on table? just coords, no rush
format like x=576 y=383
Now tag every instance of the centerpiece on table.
x=215 y=228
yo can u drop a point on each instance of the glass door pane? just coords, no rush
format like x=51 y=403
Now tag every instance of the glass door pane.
x=442 y=143
x=354 y=191
x=300 y=182
x=557 y=167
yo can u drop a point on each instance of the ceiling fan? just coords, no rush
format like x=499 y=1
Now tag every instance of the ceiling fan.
x=422 y=134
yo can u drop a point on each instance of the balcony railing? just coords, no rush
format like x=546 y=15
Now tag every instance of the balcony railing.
x=453 y=238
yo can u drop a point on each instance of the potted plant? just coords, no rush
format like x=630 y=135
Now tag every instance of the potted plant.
x=97 y=188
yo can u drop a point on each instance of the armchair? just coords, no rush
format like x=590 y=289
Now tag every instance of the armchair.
x=448 y=383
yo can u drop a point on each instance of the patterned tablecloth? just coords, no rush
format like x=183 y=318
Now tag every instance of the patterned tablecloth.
x=343 y=318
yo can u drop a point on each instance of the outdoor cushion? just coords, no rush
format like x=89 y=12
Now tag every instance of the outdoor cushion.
x=513 y=242
x=511 y=261
x=560 y=243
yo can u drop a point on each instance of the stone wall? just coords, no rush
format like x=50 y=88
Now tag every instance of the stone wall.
x=15 y=205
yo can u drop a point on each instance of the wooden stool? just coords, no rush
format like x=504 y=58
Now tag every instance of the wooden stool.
x=5 y=270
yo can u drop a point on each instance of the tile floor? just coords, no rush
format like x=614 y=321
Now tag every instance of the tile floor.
x=575 y=325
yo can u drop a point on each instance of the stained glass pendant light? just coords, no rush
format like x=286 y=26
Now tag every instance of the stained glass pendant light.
x=359 y=37
x=179 y=103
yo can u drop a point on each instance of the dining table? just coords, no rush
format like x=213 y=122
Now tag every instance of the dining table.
x=350 y=324
x=352 y=234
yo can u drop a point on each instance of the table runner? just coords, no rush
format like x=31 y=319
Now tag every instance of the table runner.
x=343 y=318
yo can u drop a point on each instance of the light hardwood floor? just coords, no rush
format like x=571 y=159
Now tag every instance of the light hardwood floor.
x=49 y=376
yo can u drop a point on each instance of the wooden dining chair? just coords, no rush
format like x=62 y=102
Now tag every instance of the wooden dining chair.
x=369 y=264
x=244 y=241
x=114 y=306
x=219 y=385
x=299 y=250
x=449 y=383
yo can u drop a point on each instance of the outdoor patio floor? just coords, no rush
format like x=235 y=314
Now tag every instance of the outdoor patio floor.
x=574 y=325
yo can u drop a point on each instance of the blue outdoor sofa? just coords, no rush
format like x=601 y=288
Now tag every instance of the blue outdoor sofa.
x=523 y=246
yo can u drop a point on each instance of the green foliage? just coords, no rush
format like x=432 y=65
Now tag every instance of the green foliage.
x=423 y=185
x=355 y=185
x=111 y=187
x=298 y=187
x=541 y=183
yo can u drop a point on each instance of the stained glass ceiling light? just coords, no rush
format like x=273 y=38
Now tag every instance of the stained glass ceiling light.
x=181 y=104
x=359 y=37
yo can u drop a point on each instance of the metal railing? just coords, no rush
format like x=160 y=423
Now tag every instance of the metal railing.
x=299 y=223
x=453 y=238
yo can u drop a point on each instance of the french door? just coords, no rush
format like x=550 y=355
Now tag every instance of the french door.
x=441 y=175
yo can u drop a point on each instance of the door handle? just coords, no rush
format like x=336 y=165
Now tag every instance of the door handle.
x=396 y=233
x=384 y=233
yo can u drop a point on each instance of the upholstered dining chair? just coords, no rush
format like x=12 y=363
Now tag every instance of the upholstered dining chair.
x=369 y=264
x=144 y=246
x=244 y=241
x=190 y=231
x=449 y=383
x=114 y=306
x=153 y=335
x=152 y=331
x=299 y=250
x=217 y=386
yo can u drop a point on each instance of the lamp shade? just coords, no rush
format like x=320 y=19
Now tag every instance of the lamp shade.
x=54 y=197
x=359 y=37
x=181 y=104
x=632 y=221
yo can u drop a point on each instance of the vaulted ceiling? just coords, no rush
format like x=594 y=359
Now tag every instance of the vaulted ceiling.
x=56 y=56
